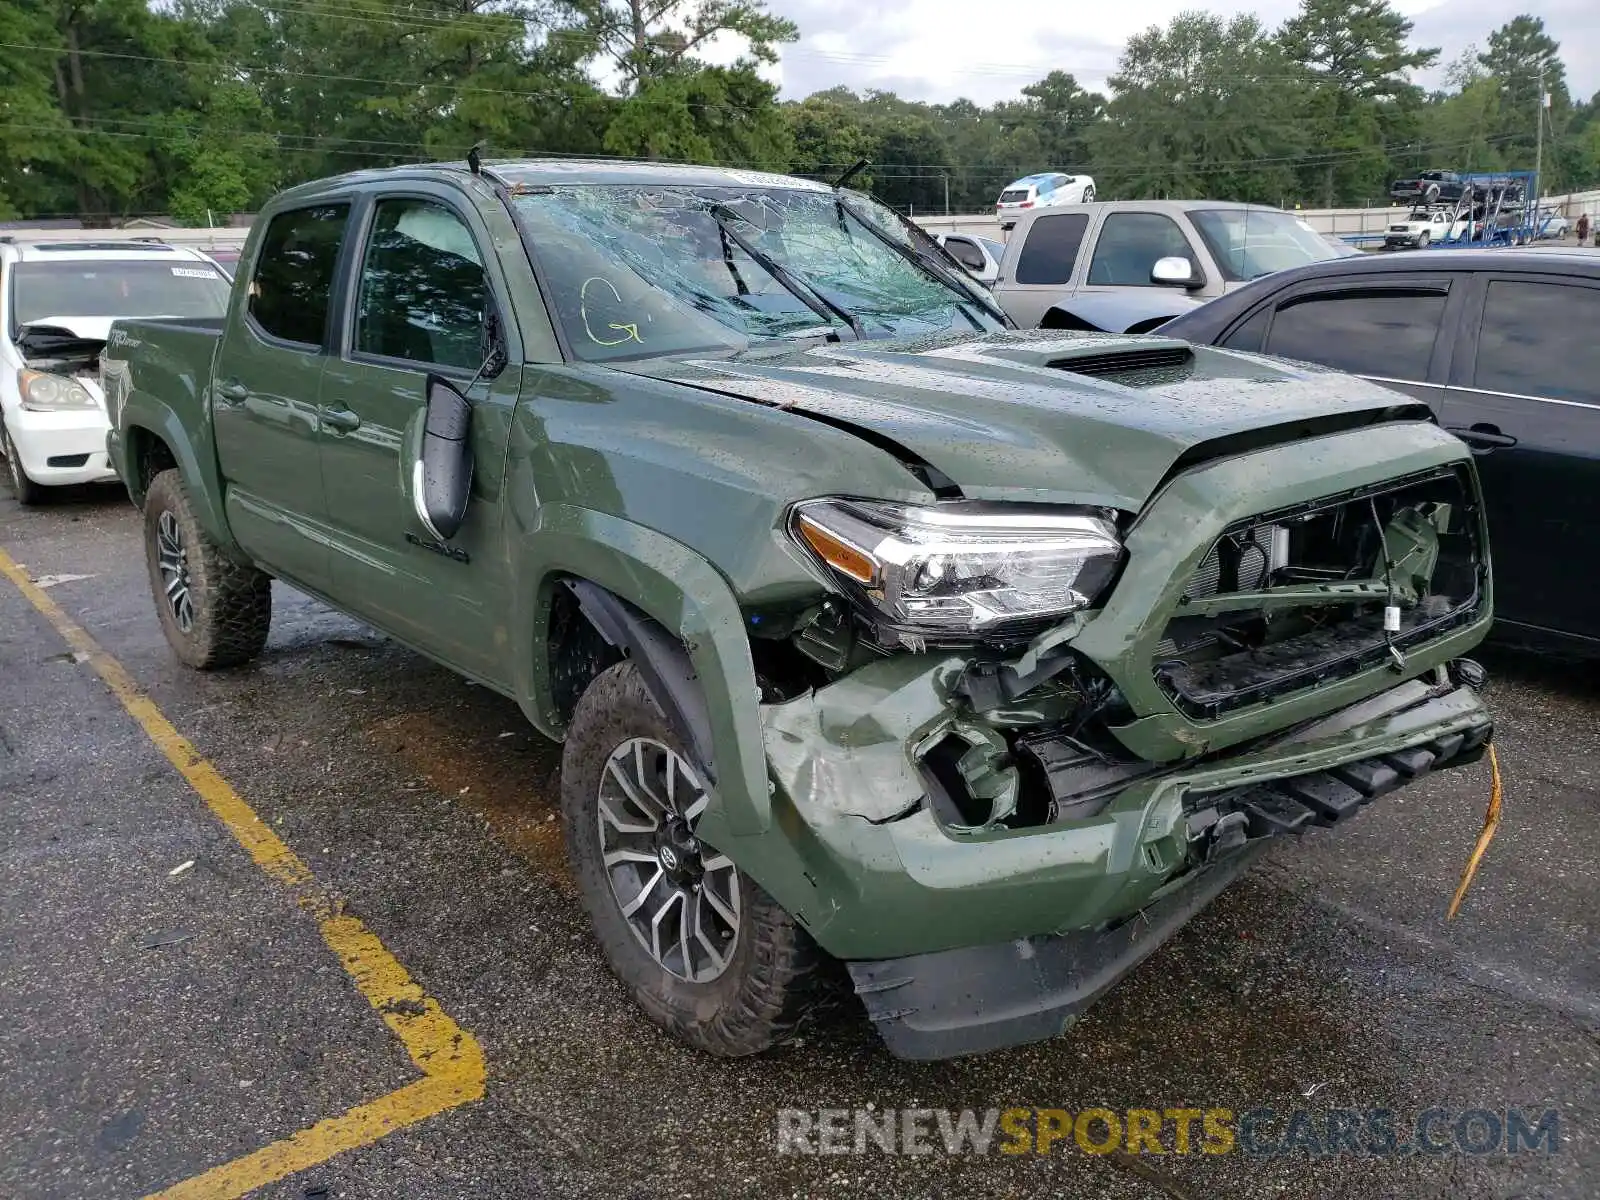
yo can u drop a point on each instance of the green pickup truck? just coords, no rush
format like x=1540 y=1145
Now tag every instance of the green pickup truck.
x=877 y=632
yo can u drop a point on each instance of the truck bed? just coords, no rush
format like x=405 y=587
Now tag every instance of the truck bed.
x=162 y=363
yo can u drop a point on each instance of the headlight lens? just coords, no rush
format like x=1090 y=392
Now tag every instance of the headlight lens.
x=960 y=568
x=52 y=393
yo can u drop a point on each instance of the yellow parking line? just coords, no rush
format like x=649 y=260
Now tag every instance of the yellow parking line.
x=448 y=1056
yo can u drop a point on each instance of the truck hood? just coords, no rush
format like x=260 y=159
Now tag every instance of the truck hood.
x=64 y=345
x=1046 y=416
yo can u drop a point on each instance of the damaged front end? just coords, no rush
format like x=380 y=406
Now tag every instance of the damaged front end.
x=1273 y=642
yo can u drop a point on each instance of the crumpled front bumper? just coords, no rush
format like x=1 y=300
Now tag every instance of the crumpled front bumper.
x=973 y=999
x=901 y=883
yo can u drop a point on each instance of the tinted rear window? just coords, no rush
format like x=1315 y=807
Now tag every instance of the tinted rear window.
x=295 y=266
x=1387 y=333
x=1541 y=339
x=1052 y=248
x=86 y=288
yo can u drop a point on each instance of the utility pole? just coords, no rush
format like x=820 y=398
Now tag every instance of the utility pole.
x=1538 y=143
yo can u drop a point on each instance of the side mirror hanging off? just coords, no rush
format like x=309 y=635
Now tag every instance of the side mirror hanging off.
x=441 y=478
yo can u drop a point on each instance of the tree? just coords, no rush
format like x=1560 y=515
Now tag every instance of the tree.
x=829 y=135
x=1461 y=120
x=1198 y=110
x=1357 y=94
x=1521 y=56
x=33 y=125
x=646 y=39
x=1064 y=116
x=717 y=114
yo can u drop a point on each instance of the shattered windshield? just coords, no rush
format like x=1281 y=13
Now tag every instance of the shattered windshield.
x=1248 y=243
x=636 y=271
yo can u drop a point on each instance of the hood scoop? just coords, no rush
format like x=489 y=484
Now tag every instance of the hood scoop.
x=1144 y=367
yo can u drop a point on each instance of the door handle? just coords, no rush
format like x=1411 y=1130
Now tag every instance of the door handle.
x=340 y=420
x=1486 y=437
x=233 y=392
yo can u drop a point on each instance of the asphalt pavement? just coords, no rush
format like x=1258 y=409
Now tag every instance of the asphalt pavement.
x=154 y=1025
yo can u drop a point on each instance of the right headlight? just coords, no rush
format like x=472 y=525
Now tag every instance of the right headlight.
x=43 y=392
x=960 y=569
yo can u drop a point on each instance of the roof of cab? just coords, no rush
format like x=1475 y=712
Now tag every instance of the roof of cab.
x=535 y=172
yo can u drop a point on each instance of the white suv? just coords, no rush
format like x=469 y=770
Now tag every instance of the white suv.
x=1045 y=190
x=57 y=302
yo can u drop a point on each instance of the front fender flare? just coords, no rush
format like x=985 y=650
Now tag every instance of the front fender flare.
x=680 y=591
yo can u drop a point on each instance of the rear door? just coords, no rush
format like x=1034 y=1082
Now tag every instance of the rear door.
x=264 y=392
x=1040 y=271
x=1525 y=393
x=422 y=278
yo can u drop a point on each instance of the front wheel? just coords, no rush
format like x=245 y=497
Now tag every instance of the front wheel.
x=1423 y=239
x=700 y=946
x=26 y=490
x=1088 y=194
x=214 y=611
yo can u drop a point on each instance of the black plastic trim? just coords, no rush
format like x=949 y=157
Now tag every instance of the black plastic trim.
x=661 y=659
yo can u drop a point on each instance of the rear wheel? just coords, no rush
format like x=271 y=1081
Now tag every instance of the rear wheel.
x=214 y=611
x=1088 y=194
x=700 y=946
x=26 y=490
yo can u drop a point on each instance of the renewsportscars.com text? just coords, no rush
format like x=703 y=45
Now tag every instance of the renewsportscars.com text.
x=1372 y=1132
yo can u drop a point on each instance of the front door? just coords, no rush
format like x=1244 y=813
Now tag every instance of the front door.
x=417 y=306
x=1525 y=395
x=264 y=394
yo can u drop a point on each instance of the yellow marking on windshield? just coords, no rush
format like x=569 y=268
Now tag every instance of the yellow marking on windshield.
x=630 y=333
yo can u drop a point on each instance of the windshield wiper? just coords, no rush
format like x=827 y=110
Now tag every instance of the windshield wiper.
x=929 y=263
x=802 y=291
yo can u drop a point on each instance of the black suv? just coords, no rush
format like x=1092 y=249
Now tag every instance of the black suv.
x=1431 y=187
x=1503 y=345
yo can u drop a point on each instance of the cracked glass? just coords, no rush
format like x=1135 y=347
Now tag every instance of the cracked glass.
x=640 y=271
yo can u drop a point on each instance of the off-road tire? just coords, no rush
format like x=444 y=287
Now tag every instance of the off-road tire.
x=776 y=978
x=26 y=490
x=232 y=601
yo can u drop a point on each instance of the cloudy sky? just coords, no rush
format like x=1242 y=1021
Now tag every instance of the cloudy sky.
x=943 y=49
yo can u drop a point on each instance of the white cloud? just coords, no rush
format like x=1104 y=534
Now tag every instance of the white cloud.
x=939 y=50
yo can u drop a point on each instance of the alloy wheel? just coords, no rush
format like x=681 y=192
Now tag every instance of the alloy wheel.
x=680 y=898
x=172 y=557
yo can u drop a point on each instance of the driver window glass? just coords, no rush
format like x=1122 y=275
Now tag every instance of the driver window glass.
x=1130 y=244
x=423 y=290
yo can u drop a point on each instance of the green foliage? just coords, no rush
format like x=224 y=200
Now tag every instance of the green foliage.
x=1198 y=110
x=201 y=108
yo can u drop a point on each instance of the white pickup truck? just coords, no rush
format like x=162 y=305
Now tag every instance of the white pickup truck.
x=1424 y=227
x=1162 y=256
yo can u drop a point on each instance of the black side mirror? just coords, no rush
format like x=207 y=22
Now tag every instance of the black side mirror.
x=441 y=478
